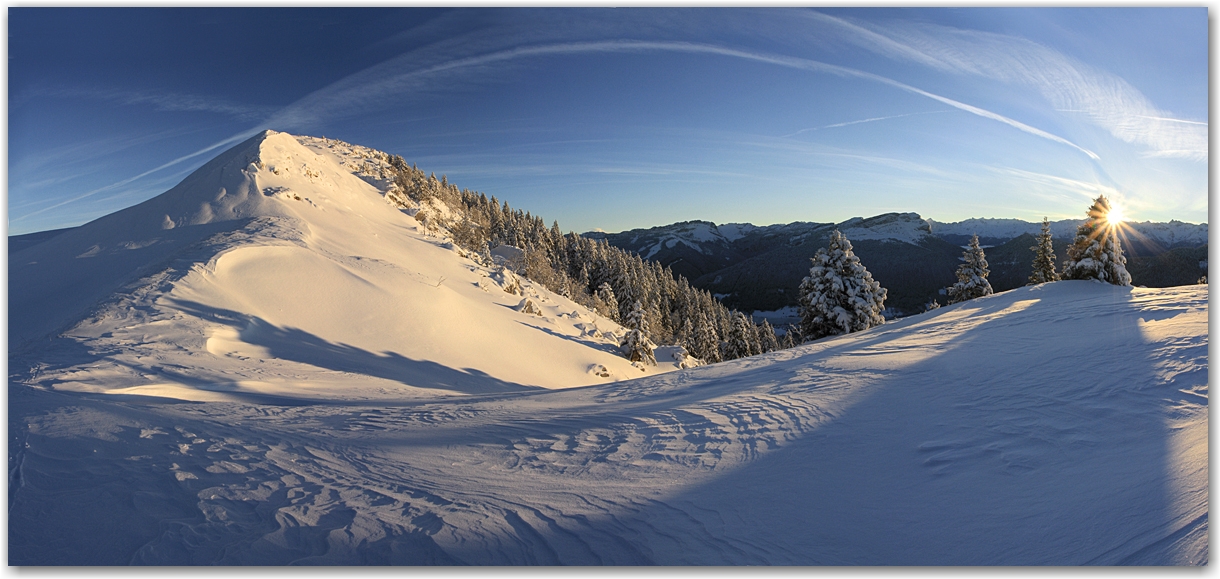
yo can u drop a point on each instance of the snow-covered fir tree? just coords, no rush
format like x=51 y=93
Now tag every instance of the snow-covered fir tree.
x=971 y=275
x=742 y=339
x=686 y=336
x=707 y=340
x=635 y=345
x=766 y=338
x=790 y=339
x=1097 y=253
x=607 y=302
x=1044 y=257
x=839 y=296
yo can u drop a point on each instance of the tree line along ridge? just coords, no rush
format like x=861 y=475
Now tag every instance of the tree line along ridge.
x=656 y=306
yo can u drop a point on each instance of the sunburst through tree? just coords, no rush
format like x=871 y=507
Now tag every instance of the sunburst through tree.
x=1097 y=251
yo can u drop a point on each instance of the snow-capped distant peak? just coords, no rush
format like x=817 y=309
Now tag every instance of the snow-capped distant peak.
x=1171 y=234
x=904 y=227
x=735 y=231
x=693 y=234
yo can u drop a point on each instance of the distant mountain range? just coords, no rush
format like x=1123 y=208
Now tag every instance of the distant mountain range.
x=754 y=267
x=758 y=268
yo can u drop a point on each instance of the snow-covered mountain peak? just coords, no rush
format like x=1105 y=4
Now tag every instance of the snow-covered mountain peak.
x=279 y=268
x=693 y=234
x=904 y=227
x=266 y=176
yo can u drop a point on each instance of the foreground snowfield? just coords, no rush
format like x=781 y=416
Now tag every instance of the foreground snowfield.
x=269 y=364
x=1060 y=424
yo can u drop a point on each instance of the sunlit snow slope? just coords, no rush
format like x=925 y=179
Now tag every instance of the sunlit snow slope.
x=276 y=270
x=1060 y=424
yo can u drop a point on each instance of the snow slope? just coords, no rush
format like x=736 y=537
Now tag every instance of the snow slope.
x=1061 y=424
x=279 y=269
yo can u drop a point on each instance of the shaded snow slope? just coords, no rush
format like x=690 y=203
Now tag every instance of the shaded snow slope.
x=1060 y=424
x=279 y=269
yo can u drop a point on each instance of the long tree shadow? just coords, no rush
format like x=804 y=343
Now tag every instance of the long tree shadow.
x=300 y=346
x=991 y=448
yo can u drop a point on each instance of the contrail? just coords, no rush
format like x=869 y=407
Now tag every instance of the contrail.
x=1171 y=120
x=389 y=85
x=214 y=146
x=338 y=97
x=836 y=125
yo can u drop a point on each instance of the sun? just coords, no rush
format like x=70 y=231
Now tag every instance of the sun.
x=1115 y=216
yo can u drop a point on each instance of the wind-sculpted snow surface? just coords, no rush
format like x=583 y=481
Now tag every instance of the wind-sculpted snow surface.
x=1060 y=424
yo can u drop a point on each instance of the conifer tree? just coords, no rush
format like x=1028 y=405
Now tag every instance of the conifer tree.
x=635 y=345
x=839 y=296
x=971 y=275
x=1096 y=253
x=791 y=339
x=686 y=336
x=605 y=294
x=707 y=341
x=741 y=338
x=767 y=341
x=1044 y=257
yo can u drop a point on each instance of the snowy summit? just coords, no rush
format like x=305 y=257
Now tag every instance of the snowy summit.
x=279 y=269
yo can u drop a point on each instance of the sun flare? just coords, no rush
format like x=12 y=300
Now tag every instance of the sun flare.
x=1115 y=215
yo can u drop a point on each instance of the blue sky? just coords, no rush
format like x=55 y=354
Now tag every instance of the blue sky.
x=620 y=118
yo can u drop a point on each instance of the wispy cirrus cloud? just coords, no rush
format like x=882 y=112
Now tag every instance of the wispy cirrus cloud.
x=400 y=75
x=372 y=87
x=1103 y=99
x=159 y=100
x=226 y=142
x=477 y=57
x=1077 y=190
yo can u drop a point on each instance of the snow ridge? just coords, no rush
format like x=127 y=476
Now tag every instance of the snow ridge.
x=280 y=269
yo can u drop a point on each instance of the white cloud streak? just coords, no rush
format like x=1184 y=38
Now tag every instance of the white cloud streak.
x=386 y=79
x=849 y=123
x=369 y=87
x=229 y=141
x=162 y=101
x=1104 y=99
